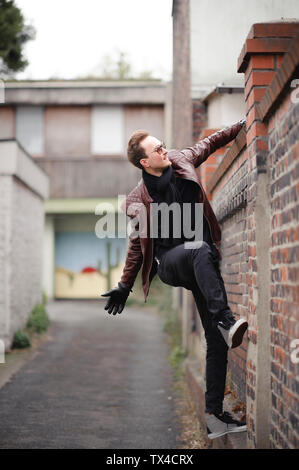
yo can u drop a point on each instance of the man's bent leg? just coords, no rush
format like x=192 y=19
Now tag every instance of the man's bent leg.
x=208 y=277
x=218 y=422
x=177 y=269
x=216 y=357
x=210 y=282
x=180 y=266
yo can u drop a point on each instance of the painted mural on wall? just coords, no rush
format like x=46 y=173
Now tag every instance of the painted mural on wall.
x=86 y=266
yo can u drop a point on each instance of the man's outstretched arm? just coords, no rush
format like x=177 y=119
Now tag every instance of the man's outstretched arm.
x=205 y=147
x=118 y=296
x=133 y=262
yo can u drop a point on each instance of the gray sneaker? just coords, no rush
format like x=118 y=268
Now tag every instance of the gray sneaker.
x=221 y=424
x=232 y=331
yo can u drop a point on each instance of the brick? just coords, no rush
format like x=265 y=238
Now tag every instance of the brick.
x=293 y=274
x=257 y=129
x=273 y=29
x=252 y=116
x=262 y=62
x=255 y=95
x=210 y=169
x=259 y=62
x=261 y=144
x=258 y=78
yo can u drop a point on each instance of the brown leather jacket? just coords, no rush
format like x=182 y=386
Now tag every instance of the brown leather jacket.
x=184 y=162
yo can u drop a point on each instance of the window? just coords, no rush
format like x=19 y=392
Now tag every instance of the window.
x=107 y=130
x=30 y=128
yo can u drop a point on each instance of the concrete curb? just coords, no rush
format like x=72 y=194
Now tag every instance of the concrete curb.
x=15 y=359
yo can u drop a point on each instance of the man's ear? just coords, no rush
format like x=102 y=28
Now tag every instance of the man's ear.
x=144 y=162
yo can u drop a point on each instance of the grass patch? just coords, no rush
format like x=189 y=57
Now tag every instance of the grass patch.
x=176 y=359
x=37 y=323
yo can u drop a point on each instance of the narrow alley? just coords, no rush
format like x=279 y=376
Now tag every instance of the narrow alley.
x=101 y=381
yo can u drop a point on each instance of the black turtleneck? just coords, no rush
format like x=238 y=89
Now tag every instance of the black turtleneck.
x=170 y=188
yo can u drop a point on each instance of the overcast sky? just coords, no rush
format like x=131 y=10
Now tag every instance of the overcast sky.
x=73 y=36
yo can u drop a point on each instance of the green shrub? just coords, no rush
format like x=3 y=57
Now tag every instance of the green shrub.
x=38 y=320
x=44 y=298
x=21 y=340
x=176 y=357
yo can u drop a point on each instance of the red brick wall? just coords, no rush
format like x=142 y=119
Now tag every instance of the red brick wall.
x=255 y=197
x=284 y=303
x=229 y=203
x=207 y=169
x=272 y=139
x=254 y=189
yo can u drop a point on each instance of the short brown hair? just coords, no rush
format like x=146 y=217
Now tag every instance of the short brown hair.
x=135 y=151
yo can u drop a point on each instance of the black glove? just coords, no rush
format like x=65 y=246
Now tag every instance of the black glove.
x=117 y=298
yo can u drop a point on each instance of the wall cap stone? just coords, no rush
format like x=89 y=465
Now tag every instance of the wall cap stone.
x=267 y=38
x=84 y=92
x=281 y=79
x=15 y=161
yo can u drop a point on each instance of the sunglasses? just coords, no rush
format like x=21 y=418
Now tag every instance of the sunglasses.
x=159 y=148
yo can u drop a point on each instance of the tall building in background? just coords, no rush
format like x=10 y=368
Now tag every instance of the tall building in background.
x=77 y=132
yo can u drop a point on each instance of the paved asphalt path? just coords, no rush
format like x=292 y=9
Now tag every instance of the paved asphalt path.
x=102 y=382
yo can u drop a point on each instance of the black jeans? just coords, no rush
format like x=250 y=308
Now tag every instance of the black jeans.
x=197 y=269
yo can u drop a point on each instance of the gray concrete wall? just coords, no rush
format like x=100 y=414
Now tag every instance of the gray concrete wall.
x=23 y=188
x=84 y=93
